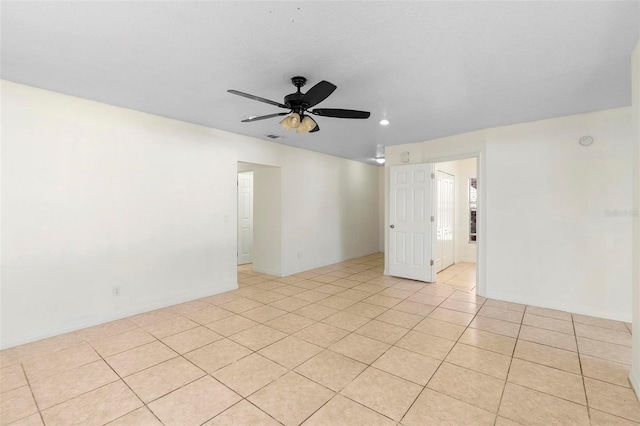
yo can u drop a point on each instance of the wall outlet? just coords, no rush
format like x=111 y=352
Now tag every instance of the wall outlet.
x=116 y=291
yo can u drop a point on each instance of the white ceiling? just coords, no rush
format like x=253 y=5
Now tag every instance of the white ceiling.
x=432 y=68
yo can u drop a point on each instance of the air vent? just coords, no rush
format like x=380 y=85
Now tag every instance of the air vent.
x=274 y=136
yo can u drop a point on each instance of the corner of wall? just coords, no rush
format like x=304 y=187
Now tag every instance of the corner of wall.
x=634 y=376
x=381 y=209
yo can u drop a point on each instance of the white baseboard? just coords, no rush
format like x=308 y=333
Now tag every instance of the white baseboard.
x=258 y=268
x=338 y=259
x=545 y=303
x=101 y=319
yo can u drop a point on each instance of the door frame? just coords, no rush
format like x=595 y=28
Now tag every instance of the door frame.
x=481 y=266
x=267 y=217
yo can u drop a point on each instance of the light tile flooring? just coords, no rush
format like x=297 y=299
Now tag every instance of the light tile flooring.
x=339 y=345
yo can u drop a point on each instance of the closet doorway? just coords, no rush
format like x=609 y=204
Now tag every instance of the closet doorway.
x=455 y=211
x=445 y=220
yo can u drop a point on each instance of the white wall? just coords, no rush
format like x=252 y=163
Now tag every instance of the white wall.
x=634 y=377
x=267 y=227
x=95 y=196
x=544 y=237
x=329 y=210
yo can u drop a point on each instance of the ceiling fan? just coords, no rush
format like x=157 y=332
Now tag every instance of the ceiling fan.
x=298 y=104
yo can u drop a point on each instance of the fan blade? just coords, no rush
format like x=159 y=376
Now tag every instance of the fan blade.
x=318 y=93
x=257 y=98
x=340 y=113
x=264 y=117
x=315 y=129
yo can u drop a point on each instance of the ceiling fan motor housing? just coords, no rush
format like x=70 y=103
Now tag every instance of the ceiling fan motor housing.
x=294 y=100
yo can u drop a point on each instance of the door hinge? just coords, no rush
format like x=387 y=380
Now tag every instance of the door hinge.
x=433 y=219
x=433 y=175
x=431 y=263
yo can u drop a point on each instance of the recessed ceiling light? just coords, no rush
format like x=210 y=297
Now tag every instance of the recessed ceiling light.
x=384 y=122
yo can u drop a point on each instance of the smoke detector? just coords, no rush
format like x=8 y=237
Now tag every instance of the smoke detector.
x=586 y=140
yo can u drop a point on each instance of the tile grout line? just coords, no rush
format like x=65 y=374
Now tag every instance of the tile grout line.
x=426 y=386
x=456 y=342
x=66 y=371
x=35 y=401
x=184 y=385
x=144 y=404
x=370 y=365
x=206 y=373
x=223 y=384
x=292 y=370
x=327 y=348
x=506 y=380
x=249 y=402
x=584 y=385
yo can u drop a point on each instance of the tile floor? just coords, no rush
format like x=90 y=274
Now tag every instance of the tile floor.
x=338 y=345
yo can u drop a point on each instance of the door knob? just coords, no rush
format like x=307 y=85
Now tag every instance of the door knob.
x=392 y=226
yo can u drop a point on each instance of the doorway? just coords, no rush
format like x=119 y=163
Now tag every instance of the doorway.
x=456 y=245
x=450 y=255
x=258 y=224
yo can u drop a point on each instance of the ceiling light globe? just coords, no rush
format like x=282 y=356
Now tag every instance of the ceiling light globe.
x=384 y=122
x=380 y=160
x=291 y=122
x=307 y=125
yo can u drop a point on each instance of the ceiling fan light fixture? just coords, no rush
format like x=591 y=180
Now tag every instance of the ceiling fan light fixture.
x=291 y=121
x=298 y=105
x=307 y=125
x=380 y=160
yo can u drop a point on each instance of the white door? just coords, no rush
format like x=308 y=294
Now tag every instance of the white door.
x=445 y=219
x=411 y=222
x=245 y=218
